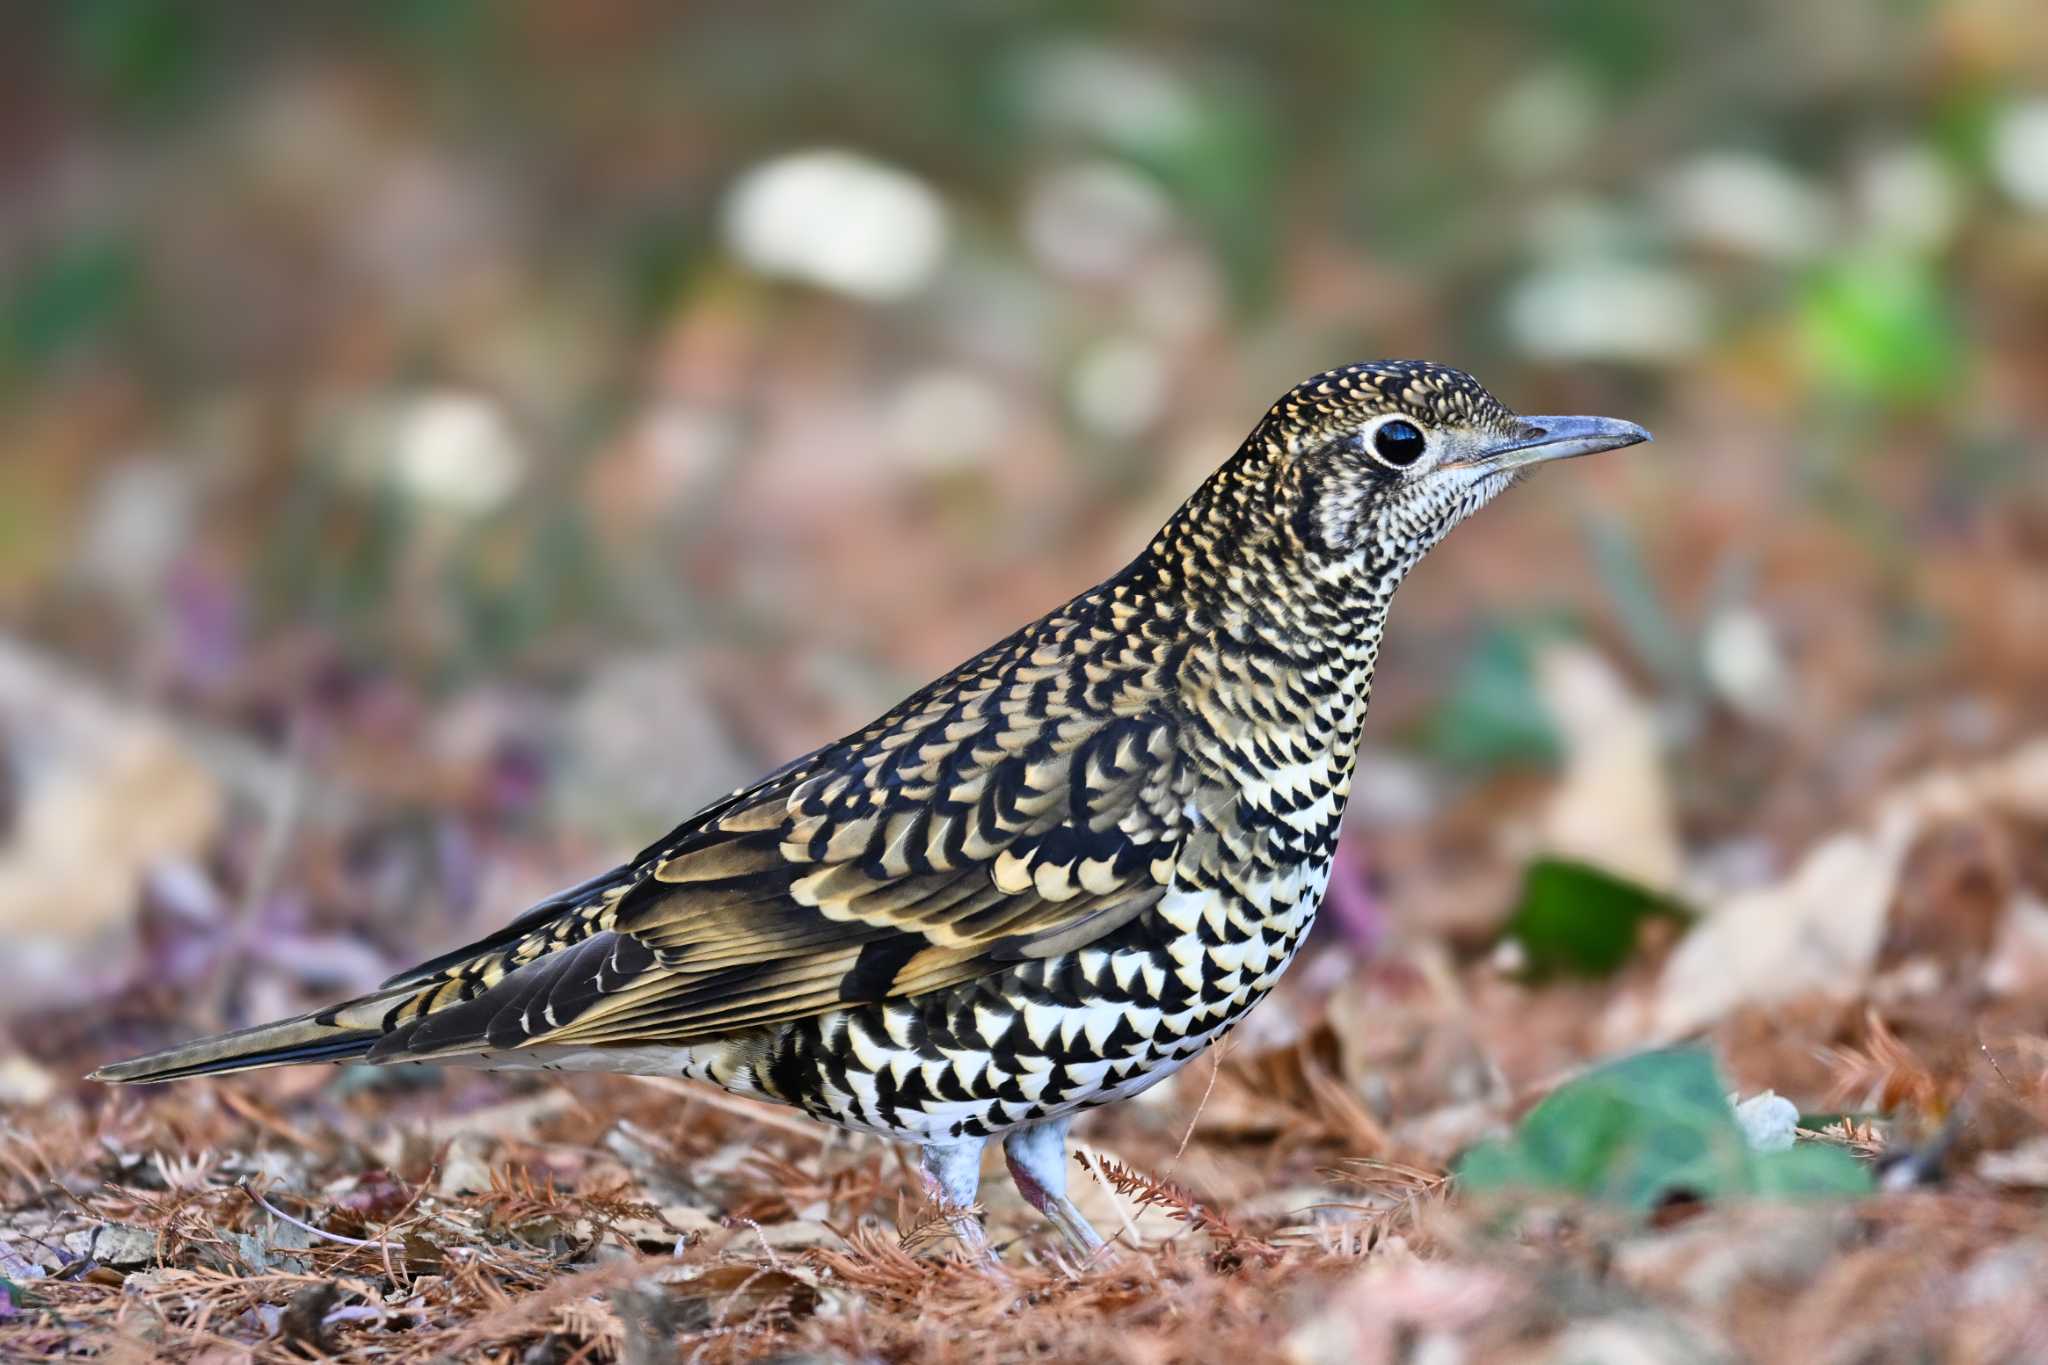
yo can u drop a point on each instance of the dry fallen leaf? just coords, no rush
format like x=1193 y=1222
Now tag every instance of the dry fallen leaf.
x=1819 y=930
x=106 y=791
x=1385 y=1310
x=2025 y=1165
x=1612 y=809
x=2018 y=963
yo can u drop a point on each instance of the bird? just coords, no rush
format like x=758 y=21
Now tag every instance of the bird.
x=1040 y=884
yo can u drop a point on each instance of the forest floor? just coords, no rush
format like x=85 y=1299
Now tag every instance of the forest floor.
x=1287 y=1198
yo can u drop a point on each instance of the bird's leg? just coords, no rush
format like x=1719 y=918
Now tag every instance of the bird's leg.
x=1038 y=1163
x=952 y=1175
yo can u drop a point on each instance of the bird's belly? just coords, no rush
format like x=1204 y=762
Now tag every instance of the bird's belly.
x=1044 y=1038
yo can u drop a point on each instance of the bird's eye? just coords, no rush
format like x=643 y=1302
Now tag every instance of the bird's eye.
x=1398 y=443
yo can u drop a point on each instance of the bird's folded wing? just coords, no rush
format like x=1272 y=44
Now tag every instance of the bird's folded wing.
x=954 y=837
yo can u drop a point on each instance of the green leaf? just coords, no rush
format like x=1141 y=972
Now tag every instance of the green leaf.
x=1647 y=1128
x=1494 y=715
x=1809 y=1170
x=1578 y=920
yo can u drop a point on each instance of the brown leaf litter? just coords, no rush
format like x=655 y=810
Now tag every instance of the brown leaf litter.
x=1286 y=1200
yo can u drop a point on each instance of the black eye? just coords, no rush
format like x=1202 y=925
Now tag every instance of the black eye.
x=1398 y=443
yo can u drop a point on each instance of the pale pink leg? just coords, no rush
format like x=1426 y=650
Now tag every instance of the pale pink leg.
x=952 y=1175
x=1038 y=1163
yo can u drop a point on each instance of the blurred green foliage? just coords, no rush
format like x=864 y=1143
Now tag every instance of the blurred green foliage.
x=1381 y=112
x=141 y=55
x=1880 y=329
x=238 y=229
x=64 y=296
x=1492 y=713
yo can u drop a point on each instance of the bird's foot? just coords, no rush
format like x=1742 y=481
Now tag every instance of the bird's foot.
x=952 y=1176
x=1037 y=1157
x=973 y=1237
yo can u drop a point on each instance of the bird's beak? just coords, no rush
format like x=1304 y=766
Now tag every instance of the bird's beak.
x=1558 y=438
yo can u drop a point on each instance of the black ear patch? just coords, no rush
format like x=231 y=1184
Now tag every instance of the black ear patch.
x=1307 y=500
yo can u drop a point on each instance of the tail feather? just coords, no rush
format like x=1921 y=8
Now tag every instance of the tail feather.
x=330 y=1035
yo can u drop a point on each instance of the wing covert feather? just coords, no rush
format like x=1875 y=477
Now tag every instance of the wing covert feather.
x=996 y=816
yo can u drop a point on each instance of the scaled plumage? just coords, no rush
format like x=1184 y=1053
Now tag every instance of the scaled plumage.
x=1041 y=883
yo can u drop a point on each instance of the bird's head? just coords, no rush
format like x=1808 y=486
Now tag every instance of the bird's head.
x=1384 y=458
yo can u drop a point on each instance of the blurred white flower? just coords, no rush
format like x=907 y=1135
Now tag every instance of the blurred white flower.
x=945 y=419
x=1094 y=220
x=1908 y=197
x=456 y=451
x=1126 y=99
x=1544 y=119
x=142 y=517
x=1119 y=388
x=840 y=221
x=2019 y=152
x=1741 y=202
x=1608 y=311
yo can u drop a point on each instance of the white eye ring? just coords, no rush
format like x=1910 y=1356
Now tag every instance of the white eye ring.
x=1396 y=441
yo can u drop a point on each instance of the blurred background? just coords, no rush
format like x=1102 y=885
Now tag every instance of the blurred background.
x=444 y=442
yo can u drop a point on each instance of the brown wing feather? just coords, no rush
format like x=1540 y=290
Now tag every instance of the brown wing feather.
x=1025 y=805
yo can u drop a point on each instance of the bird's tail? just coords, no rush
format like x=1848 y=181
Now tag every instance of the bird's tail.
x=337 y=1034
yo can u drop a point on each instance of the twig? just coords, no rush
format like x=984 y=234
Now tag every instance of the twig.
x=1215 y=1069
x=773 y=1260
x=1115 y=1198
x=1985 y=1048
x=390 y=1271
x=301 y=1224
